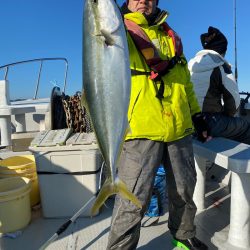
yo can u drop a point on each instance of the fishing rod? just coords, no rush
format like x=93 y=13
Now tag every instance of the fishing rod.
x=66 y=225
x=235 y=43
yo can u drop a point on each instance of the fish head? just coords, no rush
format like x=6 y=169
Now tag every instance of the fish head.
x=104 y=41
x=104 y=17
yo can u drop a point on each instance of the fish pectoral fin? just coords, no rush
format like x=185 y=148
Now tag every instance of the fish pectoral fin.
x=108 y=37
x=109 y=188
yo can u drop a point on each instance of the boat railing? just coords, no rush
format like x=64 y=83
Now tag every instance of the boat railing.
x=41 y=60
x=247 y=94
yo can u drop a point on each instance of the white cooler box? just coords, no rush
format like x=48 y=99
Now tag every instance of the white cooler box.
x=68 y=177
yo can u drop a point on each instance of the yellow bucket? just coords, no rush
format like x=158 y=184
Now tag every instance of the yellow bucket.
x=15 y=212
x=23 y=166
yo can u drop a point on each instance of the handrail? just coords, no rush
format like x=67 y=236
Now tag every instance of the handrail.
x=6 y=67
x=244 y=93
x=247 y=96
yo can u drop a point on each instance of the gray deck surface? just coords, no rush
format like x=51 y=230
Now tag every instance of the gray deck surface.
x=92 y=233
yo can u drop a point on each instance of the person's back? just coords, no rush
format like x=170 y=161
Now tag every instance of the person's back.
x=216 y=88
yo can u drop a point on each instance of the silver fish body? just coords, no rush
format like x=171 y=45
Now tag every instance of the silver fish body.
x=106 y=86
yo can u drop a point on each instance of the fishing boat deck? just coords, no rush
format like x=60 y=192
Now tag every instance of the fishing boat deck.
x=92 y=233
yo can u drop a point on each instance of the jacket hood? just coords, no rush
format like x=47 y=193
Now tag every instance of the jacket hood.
x=205 y=60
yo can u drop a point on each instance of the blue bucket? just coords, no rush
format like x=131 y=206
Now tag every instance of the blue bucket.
x=159 y=199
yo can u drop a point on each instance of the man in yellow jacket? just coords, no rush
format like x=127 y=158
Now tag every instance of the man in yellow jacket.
x=163 y=108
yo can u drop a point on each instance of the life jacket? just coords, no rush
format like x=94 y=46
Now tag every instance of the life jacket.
x=158 y=66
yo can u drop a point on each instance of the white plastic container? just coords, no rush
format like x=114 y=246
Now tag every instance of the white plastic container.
x=62 y=191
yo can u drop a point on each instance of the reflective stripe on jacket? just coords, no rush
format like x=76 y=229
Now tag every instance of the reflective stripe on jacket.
x=167 y=119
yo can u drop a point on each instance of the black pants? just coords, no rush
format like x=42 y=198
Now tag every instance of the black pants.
x=234 y=128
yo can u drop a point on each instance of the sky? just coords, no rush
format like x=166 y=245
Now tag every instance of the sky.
x=53 y=28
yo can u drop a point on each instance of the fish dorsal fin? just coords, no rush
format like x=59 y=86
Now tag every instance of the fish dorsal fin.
x=84 y=101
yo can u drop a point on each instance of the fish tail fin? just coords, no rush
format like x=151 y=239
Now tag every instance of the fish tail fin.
x=109 y=188
x=106 y=191
x=125 y=193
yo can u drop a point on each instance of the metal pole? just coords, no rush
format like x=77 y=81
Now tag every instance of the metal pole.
x=6 y=73
x=38 y=79
x=235 y=43
x=65 y=76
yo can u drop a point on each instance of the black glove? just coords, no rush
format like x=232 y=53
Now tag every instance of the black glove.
x=201 y=127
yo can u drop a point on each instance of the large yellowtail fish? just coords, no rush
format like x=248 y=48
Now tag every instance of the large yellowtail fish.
x=106 y=87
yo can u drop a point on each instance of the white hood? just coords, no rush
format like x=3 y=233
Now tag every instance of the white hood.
x=201 y=67
x=205 y=60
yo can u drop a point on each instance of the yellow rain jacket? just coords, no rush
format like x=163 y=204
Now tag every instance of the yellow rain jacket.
x=166 y=119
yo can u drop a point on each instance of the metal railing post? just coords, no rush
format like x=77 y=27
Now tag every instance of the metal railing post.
x=38 y=79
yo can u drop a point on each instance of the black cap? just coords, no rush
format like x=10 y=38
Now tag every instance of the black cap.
x=214 y=40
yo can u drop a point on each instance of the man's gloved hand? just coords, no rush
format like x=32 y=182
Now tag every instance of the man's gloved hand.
x=201 y=127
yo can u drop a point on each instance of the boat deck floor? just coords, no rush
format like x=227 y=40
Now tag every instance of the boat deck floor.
x=92 y=233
